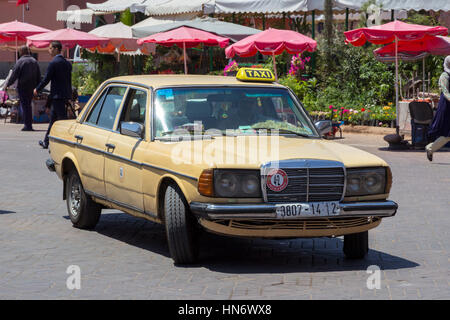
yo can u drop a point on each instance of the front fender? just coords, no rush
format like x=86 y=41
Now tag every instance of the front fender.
x=187 y=186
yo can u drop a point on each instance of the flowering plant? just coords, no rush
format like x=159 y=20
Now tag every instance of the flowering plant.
x=297 y=64
x=167 y=71
x=230 y=67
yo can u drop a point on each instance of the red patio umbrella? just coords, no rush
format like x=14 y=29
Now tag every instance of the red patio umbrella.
x=69 y=38
x=185 y=37
x=272 y=42
x=16 y=31
x=390 y=32
x=415 y=50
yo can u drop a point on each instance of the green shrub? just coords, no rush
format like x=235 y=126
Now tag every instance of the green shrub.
x=304 y=90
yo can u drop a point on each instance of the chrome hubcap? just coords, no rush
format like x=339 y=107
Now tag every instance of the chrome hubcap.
x=75 y=198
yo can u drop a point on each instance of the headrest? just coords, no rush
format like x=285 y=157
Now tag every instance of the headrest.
x=135 y=112
x=198 y=109
x=221 y=97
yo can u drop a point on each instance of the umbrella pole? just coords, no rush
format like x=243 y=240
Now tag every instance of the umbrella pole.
x=184 y=56
x=274 y=66
x=423 y=78
x=397 y=128
x=17 y=53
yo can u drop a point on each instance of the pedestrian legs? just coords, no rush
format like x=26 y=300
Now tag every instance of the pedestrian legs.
x=25 y=105
x=57 y=112
x=437 y=144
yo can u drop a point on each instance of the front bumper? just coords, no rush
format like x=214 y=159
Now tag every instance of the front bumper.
x=212 y=211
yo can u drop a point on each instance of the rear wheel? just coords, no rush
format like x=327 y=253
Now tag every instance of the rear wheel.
x=356 y=245
x=180 y=227
x=83 y=211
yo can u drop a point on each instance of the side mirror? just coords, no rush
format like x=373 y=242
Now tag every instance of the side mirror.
x=324 y=127
x=132 y=129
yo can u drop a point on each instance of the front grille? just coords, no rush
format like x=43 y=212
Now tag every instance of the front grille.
x=306 y=224
x=309 y=184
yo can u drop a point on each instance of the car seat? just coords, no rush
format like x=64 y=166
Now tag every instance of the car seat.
x=200 y=111
x=135 y=112
x=421 y=118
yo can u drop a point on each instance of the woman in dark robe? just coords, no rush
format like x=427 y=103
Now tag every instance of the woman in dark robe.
x=440 y=127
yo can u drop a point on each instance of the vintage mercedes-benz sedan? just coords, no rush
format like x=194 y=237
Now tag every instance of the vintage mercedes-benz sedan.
x=233 y=156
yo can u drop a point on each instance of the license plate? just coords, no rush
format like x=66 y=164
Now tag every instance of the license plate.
x=310 y=209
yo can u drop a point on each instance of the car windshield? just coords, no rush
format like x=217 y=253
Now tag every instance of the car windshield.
x=230 y=111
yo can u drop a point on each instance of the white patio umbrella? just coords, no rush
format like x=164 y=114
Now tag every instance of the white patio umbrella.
x=233 y=31
x=121 y=40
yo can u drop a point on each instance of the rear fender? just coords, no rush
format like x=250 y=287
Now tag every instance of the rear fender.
x=68 y=163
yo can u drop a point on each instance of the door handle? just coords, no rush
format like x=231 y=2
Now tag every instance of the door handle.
x=110 y=146
x=78 y=137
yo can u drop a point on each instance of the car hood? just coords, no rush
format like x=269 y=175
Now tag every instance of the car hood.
x=252 y=151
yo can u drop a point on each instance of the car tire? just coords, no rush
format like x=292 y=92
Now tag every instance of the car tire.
x=180 y=227
x=356 y=245
x=83 y=211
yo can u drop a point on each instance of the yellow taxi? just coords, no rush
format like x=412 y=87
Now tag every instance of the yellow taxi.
x=233 y=156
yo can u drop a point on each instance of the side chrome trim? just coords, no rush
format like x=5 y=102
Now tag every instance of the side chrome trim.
x=109 y=154
x=121 y=204
x=169 y=171
x=268 y=211
x=62 y=140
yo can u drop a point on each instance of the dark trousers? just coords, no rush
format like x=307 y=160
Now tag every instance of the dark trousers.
x=57 y=112
x=25 y=98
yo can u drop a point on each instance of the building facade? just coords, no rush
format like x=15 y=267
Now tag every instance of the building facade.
x=41 y=13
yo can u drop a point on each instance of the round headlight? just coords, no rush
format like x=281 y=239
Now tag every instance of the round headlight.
x=366 y=181
x=373 y=182
x=354 y=184
x=250 y=184
x=226 y=185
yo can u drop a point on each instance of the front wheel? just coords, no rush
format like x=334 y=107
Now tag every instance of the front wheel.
x=180 y=227
x=83 y=211
x=356 y=245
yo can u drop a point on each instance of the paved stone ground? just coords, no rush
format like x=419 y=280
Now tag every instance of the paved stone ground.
x=128 y=258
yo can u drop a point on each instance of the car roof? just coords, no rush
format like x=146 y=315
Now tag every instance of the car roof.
x=157 y=81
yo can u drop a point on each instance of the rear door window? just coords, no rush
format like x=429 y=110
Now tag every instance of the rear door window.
x=105 y=110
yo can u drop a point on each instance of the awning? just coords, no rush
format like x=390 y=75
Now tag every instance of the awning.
x=433 y=5
x=120 y=5
x=266 y=6
x=76 y=16
x=280 y=6
x=171 y=7
x=108 y=7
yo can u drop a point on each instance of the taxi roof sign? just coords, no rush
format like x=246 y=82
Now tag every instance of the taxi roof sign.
x=255 y=74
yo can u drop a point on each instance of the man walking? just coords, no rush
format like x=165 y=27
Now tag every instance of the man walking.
x=59 y=72
x=27 y=72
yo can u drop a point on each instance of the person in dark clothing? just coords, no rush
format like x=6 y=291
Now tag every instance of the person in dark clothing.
x=59 y=72
x=440 y=127
x=26 y=72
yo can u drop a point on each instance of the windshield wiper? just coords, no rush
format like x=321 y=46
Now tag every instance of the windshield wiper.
x=176 y=138
x=286 y=131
